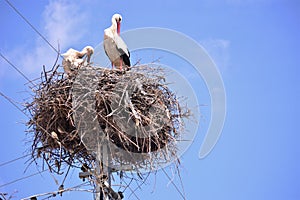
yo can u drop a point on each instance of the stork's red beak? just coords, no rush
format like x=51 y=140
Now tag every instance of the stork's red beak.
x=118 y=27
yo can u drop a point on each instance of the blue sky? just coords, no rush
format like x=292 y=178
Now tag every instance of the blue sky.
x=255 y=45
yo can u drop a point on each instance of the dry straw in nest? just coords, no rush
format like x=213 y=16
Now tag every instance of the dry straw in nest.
x=135 y=111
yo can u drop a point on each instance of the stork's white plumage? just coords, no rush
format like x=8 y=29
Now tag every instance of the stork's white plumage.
x=73 y=59
x=115 y=48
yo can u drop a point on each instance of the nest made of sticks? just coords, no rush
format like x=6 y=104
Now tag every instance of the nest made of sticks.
x=135 y=110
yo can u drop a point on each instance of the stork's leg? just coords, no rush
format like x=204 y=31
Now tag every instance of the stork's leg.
x=88 y=60
x=121 y=62
x=112 y=65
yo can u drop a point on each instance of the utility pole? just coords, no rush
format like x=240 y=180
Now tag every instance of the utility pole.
x=106 y=192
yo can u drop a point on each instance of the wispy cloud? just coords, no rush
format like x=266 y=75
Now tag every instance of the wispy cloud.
x=218 y=49
x=63 y=23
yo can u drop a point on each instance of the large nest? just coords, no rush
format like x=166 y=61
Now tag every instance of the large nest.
x=135 y=111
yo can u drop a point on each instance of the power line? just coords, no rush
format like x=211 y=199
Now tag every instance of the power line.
x=138 y=186
x=132 y=191
x=17 y=69
x=54 y=193
x=178 y=190
x=13 y=160
x=28 y=22
x=14 y=104
x=25 y=177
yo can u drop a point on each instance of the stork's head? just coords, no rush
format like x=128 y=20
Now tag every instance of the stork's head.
x=88 y=50
x=117 y=18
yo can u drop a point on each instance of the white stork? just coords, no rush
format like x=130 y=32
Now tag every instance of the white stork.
x=73 y=59
x=115 y=48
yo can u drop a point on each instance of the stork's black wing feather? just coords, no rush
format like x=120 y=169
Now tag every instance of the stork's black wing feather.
x=126 y=59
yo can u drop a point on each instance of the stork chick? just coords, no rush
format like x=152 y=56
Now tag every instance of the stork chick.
x=73 y=59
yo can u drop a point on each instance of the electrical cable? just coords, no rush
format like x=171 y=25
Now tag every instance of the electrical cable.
x=28 y=22
x=13 y=103
x=54 y=193
x=13 y=160
x=173 y=184
x=11 y=64
x=19 y=179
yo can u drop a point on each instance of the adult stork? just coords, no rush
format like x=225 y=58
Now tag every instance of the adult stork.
x=73 y=59
x=115 y=48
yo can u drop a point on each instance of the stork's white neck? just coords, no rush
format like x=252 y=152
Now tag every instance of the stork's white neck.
x=113 y=26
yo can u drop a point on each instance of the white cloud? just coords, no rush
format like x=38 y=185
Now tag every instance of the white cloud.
x=218 y=50
x=63 y=23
